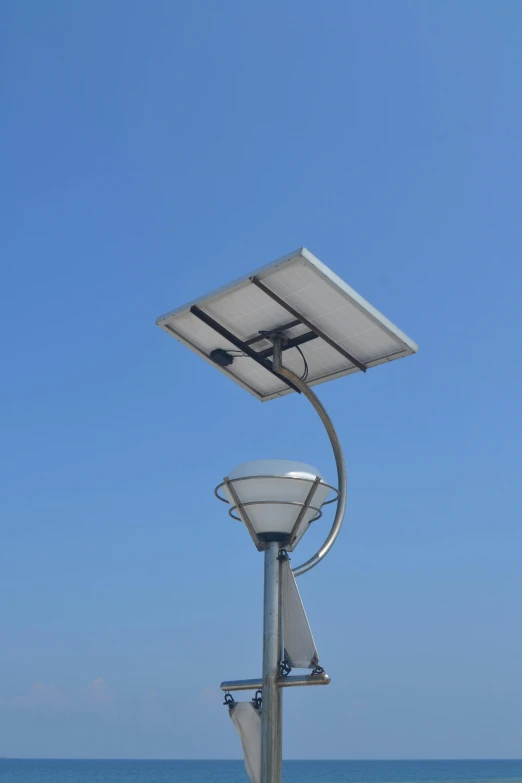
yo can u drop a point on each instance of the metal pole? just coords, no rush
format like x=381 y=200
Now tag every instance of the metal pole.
x=339 y=461
x=281 y=655
x=272 y=695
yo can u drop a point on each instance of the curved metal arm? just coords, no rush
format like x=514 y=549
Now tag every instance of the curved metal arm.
x=339 y=461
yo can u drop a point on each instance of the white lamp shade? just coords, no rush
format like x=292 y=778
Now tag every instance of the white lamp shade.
x=272 y=500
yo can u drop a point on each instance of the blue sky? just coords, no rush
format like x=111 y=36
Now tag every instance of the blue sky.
x=155 y=151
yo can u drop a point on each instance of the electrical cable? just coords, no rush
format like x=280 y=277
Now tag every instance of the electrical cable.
x=304 y=376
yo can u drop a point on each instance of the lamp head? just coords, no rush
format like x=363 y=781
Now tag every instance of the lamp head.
x=276 y=499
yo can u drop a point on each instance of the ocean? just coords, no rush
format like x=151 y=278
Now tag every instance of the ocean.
x=80 y=771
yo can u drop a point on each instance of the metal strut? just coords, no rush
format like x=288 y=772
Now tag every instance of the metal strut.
x=338 y=454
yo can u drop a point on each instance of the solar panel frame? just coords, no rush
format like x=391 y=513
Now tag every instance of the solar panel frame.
x=179 y=323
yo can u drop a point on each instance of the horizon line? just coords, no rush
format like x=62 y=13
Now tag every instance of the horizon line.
x=150 y=758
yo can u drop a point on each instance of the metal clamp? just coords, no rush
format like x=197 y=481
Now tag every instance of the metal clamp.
x=257 y=701
x=229 y=701
x=285 y=668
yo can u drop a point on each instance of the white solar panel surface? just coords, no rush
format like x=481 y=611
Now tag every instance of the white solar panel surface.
x=322 y=298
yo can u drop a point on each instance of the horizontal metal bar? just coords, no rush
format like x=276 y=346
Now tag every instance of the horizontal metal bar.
x=310 y=325
x=292 y=343
x=293 y=681
x=241 y=685
x=271 y=332
x=224 y=332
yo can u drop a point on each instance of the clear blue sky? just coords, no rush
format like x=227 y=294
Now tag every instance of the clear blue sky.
x=152 y=152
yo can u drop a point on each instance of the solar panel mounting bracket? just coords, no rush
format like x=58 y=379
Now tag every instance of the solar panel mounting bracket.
x=242 y=346
x=318 y=332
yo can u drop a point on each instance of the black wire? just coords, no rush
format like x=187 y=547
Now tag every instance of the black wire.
x=237 y=354
x=304 y=376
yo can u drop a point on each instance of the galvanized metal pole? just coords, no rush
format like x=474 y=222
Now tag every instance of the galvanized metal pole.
x=272 y=695
x=337 y=450
x=281 y=655
x=339 y=461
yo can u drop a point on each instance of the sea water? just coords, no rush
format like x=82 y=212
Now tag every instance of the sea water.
x=80 y=771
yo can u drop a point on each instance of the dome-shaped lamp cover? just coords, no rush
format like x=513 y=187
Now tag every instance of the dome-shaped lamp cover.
x=273 y=501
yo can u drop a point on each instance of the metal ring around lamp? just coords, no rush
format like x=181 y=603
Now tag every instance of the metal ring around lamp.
x=275 y=503
x=281 y=478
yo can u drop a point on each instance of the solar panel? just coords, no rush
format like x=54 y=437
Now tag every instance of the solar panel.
x=318 y=316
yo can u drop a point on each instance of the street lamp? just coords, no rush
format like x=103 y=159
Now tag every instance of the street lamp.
x=277 y=500
x=288 y=326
